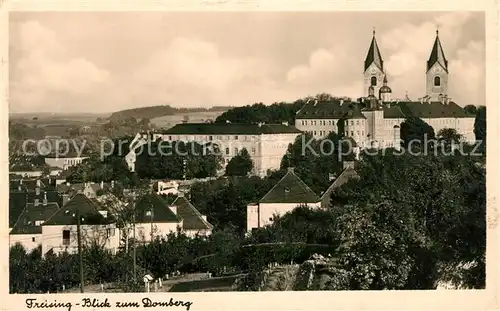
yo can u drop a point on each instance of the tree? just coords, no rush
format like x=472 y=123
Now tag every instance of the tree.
x=409 y=215
x=480 y=124
x=240 y=165
x=470 y=109
x=414 y=129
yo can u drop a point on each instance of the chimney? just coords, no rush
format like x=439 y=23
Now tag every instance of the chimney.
x=37 y=190
x=65 y=199
x=21 y=182
x=67 y=183
x=45 y=198
x=341 y=102
x=38 y=183
x=102 y=184
x=284 y=123
x=259 y=124
x=36 y=202
x=290 y=170
x=173 y=208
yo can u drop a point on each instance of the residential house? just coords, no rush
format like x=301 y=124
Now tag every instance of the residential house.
x=27 y=230
x=153 y=217
x=288 y=193
x=166 y=187
x=194 y=223
x=59 y=232
x=347 y=173
x=64 y=162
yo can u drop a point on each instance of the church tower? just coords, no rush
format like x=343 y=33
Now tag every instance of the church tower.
x=374 y=68
x=437 y=72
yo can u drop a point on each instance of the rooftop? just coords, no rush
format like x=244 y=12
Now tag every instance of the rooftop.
x=230 y=128
x=192 y=218
x=290 y=189
x=27 y=221
x=152 y=208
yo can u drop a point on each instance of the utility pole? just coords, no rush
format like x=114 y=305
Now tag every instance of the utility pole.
x=79 y=239
x=135 y=252
x=151 y=223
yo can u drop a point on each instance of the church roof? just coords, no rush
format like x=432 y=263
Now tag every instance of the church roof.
x=374 y=55
x=437 y=55
x=290 y=189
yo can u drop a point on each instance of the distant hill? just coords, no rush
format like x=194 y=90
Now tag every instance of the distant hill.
x=159 y=111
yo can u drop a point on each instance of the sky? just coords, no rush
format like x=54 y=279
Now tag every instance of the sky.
x=86 y=62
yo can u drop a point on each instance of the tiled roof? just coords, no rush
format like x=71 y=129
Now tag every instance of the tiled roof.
x=25 y=184
x=17 y=203
x=374 y=55
x=160 y=210
x=290 y=189
x=229 y=128
x=437 y=55
x=52 y=196
x=89 y=211
x=192 y=219
x=26 y=223
x=393 y=112
x=433 y=109
x=335 y=109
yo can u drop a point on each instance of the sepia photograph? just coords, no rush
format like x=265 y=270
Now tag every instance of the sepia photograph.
x=251 y=151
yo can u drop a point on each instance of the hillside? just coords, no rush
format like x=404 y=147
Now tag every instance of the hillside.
x=158 y=111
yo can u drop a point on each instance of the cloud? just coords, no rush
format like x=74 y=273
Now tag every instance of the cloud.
x=405 y=50
x=46 y=68
x=57 y=65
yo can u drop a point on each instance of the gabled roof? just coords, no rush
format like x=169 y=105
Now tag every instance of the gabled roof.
x=374 y=56
x=290 y=189
x=437 y=55
x=88 y=209
x=26 y=223
x=192 y=218
x=344 y=177
x=229 y=128
x=152 y=208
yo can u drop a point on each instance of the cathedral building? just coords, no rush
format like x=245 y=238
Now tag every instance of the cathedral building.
x=374 y=120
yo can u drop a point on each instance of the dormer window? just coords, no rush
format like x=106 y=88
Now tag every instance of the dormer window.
x=287 y=190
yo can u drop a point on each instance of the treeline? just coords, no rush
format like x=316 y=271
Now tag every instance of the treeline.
x=159 y=111
x=177 y=160
x=275 y=113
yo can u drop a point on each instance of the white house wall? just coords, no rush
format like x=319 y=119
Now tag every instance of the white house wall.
x=28 y=241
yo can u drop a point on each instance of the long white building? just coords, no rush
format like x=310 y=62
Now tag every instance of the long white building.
x=375 y=119
x=266 y=143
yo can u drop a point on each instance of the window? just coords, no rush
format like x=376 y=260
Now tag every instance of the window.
x=362 y=133
x=315 y=133
x=227 y=150
x=110 y=232
x=236 y=137
x=270 y=219
x=357 y=122
x=357 y=133
x=66 y=236
x=169 y=137
x=352 y=122
x=373 y=81
x=33 y=239
x=305 y=122
x=437 y=81
x=253 y=150
x=210 y=138
x=352 y=133
x=235 y=151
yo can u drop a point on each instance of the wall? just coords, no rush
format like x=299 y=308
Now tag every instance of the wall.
x=26 y=240
x=64 y=163
x=143 y=230
x=319 y=128
x=52 y=237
